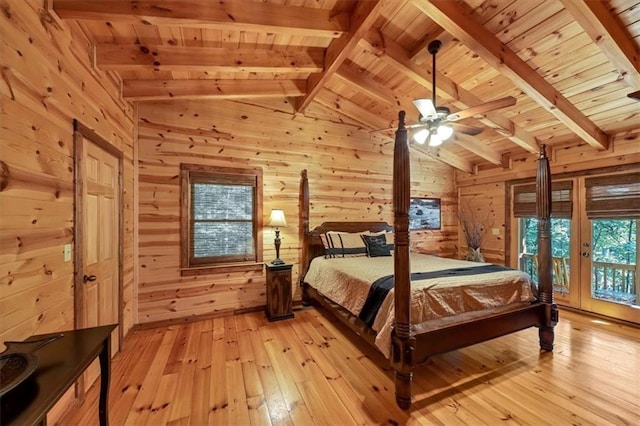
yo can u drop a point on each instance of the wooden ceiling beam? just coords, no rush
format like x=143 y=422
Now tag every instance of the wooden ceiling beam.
x=610 y=35
x=478 y=148
x=218 y=59
x=145 y=90
x=394 y=55
x=367 y=86
x=455 y=20
x=223 y=15
x=363 y=17
x=447 y=157
x=350 y=109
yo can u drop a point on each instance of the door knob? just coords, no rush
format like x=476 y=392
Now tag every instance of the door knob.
x=88 y=278
x=585 y=254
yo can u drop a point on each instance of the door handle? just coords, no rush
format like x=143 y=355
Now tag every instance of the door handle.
x=585 y=254
x=88 y=278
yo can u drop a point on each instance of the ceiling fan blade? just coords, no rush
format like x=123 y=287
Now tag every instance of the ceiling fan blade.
x=482 y=108
x=466 y=129
x=635 y=95
x=426 y=108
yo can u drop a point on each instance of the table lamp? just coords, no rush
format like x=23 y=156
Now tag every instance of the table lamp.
x=277 y=220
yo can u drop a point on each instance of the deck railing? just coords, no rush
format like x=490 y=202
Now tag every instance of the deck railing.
x=614 y=281
x=611 y=281
x=529 y=264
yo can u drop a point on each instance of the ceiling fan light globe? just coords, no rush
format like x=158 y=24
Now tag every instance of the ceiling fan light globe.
x=435 y=140
x=421 y=136
x=445 y=132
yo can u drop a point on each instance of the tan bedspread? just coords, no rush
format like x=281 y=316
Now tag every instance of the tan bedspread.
x=346 y=281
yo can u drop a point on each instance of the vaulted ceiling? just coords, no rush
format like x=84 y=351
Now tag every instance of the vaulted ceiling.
x=572 y=65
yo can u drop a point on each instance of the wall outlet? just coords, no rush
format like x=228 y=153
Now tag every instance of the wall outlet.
x=67 y=252
x=495 y=231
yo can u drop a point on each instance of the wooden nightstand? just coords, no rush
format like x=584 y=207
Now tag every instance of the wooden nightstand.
x=279 y=305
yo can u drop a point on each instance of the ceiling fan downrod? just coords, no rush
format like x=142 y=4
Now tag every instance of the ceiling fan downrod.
x=433 y=48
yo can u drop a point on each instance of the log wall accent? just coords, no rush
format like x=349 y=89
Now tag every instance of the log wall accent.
x=350 y=175
x=486 y=189
x=47 y=82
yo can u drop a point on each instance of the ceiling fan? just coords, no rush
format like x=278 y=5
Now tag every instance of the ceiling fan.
x=438 y=123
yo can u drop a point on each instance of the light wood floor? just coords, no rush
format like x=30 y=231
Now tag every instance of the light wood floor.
x=310 y=370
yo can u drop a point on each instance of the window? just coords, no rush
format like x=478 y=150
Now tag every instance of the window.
x=221 y=216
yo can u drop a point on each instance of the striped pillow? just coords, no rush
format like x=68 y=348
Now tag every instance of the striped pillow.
x=343 y=244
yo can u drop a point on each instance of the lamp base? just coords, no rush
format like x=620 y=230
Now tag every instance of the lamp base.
x=277 y=262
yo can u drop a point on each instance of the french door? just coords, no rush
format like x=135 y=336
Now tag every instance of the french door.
x=595 y=242
x=609 y=245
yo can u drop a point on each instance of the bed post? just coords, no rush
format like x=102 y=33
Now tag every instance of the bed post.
x=545 y=271
x=304 y=224
x=402 y=341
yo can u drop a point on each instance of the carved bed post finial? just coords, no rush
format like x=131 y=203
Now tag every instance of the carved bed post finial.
x=545 y=269
x=402 y=341
x=401 y=116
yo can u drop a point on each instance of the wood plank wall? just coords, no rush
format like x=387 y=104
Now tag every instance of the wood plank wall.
x=47 y=82
x=349 y=170
x=485 y=191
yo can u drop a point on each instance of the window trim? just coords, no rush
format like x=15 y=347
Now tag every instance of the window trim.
x=189 y=172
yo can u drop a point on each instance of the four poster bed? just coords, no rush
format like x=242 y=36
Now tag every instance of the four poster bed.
x=406 y=331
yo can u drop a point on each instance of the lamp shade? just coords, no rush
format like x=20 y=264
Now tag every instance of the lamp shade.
x=277 y=219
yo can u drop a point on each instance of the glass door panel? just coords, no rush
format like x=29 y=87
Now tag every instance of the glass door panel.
x=610 y=262
x=560 y=249
x=613 y=267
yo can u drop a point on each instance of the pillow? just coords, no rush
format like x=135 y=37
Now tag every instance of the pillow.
x=390 y=240
x=376 y=245
x=343 y=244
x=389 y=236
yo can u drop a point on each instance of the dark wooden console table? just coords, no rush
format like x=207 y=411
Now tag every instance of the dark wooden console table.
x=60 y=364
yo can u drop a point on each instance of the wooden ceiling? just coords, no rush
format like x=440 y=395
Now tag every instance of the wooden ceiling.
x=571 y=64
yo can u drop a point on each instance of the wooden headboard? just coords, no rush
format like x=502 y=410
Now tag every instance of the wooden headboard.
x=315 y=247
x=311 y=243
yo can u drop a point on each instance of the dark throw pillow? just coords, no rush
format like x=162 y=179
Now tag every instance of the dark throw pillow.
x=376 y=245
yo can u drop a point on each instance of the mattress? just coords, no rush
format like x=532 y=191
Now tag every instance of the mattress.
x=347 y=282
